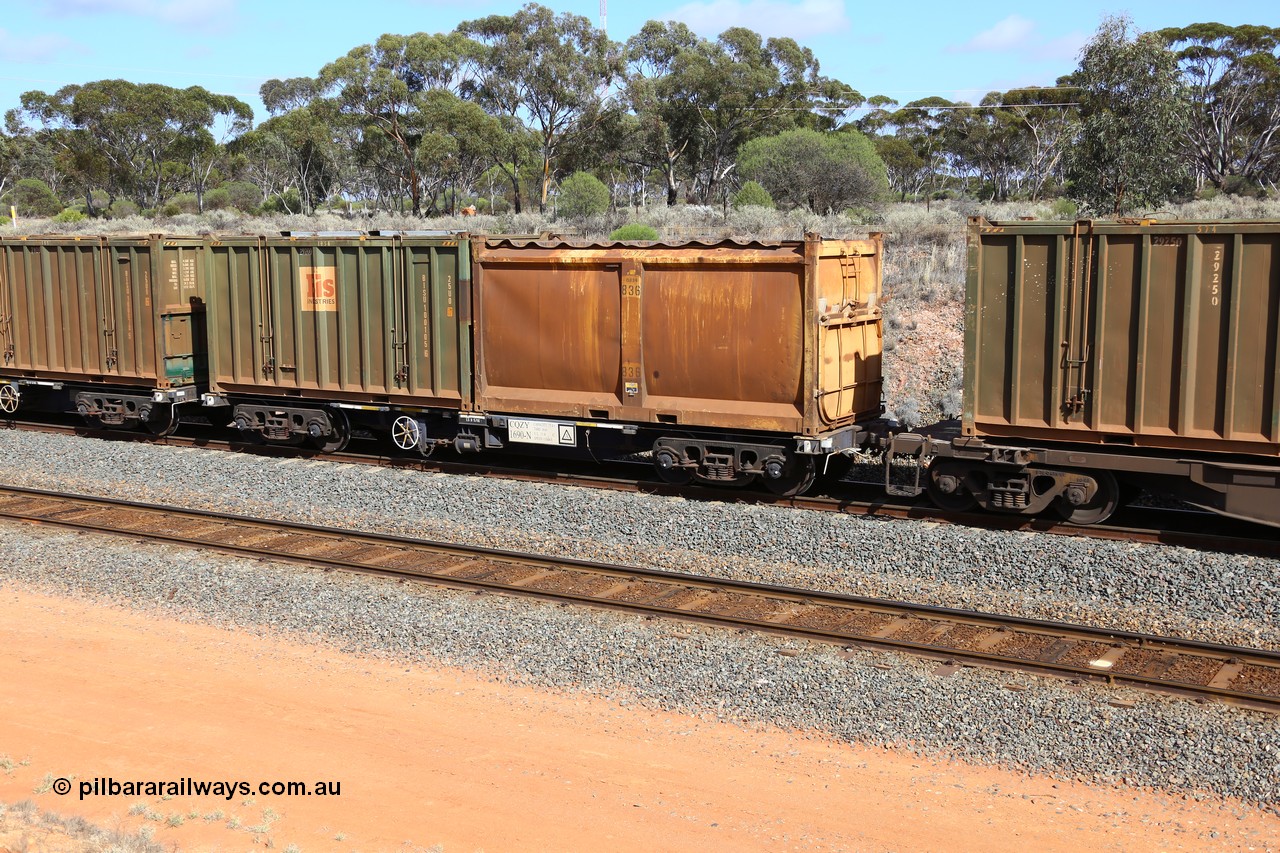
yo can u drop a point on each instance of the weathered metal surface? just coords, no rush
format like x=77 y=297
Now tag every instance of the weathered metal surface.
x=366 y=319
x=1150 y=334
x=104 y=310
x=781 y=337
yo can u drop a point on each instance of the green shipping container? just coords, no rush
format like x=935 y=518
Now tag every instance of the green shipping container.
x=1140 y=333
x=362 y=318
x=103 y=311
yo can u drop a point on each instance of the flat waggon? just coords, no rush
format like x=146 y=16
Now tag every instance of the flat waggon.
x=1106 y=357
x=111 y=327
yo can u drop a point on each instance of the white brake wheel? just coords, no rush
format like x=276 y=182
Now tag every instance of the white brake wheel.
x=8 y=399
x=406 y=433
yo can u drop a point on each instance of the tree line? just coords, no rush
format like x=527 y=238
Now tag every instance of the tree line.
x=500 y=112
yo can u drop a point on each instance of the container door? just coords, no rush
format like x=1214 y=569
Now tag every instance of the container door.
x=181 y=312
x=849 y=343
x=6 y=311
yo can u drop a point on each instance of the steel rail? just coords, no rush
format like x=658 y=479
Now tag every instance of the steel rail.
x=1237 y=675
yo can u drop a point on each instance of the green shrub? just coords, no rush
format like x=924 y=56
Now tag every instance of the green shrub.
x=122 y=208
x=32 y=197
x=1065 y=208
x=635 y=231
x=70 y=215
x=218 y=199
x=752 y=193
x=1240 y=185
x=186 y=203
x=582 y=194
x=287 y=202
x=170 y=209
x=244 y=195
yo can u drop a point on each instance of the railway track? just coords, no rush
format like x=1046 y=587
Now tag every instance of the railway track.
x=1198 y=530
x=1248 y=677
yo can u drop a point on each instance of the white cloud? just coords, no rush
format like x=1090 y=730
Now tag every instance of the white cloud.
x=32 y=48
x=1021 y=37
x=1010 y=34
x=208 y=13
x=1064 y=47
x=768 y=17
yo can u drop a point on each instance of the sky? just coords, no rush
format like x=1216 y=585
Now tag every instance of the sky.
x=905 y=50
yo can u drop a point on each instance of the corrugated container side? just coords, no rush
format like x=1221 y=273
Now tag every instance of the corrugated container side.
x=1154 y=334
x=376 y=318
x=101 y=310
x=725 y=335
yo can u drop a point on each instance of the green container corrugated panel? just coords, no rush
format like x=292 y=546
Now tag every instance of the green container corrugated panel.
x=1144 y=333
x=365 y=319
x=103 y=310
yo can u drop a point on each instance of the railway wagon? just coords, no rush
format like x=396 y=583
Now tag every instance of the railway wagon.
x=312 y=333
x=731 y=362
x=1104 y=357
x=112 y=327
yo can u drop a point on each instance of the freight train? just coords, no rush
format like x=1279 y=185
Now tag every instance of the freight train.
x=728 y=362
x=1101 y=358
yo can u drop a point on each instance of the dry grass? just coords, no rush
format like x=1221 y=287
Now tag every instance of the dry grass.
x=23 y=825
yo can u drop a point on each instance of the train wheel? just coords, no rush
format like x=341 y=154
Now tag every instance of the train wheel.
x=163 y=421
x=1099 y=508
x=795 y=477
x=667 y=464
x=944 y=483
x=9 y=399
x=341 y=437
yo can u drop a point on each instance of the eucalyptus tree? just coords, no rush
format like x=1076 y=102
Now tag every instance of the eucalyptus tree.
x=457 y=146
x=701 y=100
x=294 y=149
x=1049 y=119
x=987 y=142
x=377 y=93
x=668 y=124
x=924 y=125
x=905 y=170
x=548 y=72
x=1133 y=108
x=130 y=138
x=1233 y=79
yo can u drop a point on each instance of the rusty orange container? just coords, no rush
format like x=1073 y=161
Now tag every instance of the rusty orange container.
x=779 y=337
x=1149 y=334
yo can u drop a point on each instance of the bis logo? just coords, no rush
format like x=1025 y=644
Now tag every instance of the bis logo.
x=318 y=288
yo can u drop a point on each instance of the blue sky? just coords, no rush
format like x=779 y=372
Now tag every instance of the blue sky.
x=905 y=50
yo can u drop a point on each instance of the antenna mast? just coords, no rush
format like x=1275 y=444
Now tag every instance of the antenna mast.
x=604 y=16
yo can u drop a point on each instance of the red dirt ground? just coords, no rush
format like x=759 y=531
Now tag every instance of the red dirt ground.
x=436 y=756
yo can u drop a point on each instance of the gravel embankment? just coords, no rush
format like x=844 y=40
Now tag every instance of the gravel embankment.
x=866 y=697
x=1158 y=589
